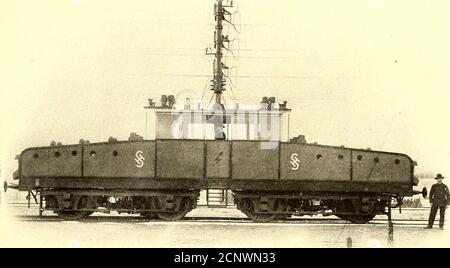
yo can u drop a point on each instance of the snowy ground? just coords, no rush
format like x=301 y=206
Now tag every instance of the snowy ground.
x=20 y=227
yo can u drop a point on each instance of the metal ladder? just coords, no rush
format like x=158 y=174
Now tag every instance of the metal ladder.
x=217 y=198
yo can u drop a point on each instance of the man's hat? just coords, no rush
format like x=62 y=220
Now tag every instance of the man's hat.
x=439 y=176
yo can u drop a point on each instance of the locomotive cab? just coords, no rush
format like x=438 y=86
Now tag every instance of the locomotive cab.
x=268 y=122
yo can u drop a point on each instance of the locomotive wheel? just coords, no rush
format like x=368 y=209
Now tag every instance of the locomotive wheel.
x=359 y=219
x=149 y=215
x=260 y=217
x=73 y=215
x=184 y=208
x=283 y=217
x=84 y=204
x=342 y=217
x=172 y=216
x=246 y=206
x=348 y=207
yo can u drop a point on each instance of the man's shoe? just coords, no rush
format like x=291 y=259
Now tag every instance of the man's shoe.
x=442 y=228
x=428 y=227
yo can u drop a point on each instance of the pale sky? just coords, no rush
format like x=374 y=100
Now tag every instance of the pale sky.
x=360 y=73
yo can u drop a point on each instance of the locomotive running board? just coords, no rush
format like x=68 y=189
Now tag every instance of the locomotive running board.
x=119 y=193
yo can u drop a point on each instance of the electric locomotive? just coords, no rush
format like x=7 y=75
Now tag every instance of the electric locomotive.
x=271 y=176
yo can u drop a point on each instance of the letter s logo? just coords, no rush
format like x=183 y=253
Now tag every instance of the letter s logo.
x=139 y=159
x=295 y=162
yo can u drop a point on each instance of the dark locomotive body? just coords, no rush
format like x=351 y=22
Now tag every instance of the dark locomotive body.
x=163 y=178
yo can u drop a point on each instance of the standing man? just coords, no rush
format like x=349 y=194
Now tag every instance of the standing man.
x=439 y=196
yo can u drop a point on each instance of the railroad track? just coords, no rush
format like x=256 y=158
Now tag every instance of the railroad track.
x=221 y=219
x=310 y=220
x=231 y=220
